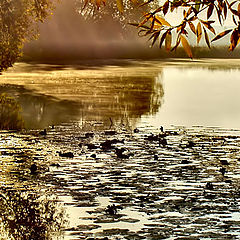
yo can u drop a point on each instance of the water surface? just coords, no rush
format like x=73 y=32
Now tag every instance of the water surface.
x=200 y=92
x=183 y=183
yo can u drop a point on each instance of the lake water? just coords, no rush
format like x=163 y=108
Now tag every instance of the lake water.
x=144 y=183
x=174 y=92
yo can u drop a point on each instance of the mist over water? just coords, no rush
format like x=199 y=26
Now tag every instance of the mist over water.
x=67 y=34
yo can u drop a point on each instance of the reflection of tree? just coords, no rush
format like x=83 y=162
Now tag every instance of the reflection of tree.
x=124 y=92
x=136 y=95
x=10 y=117
x=28 y=215
x=39 y=110
x=157 y=95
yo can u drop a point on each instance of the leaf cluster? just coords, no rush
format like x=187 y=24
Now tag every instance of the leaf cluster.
x=198 y=17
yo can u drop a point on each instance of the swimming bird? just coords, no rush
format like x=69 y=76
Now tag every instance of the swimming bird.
x=66 y=154
x=209 y=186
x=33 y=168
x=223 y=170
x=224 y=162
x=43 y=132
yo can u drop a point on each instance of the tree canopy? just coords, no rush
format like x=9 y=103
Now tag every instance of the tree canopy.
x=17 y=24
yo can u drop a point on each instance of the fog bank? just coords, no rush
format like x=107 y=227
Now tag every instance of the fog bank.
x=68 y=35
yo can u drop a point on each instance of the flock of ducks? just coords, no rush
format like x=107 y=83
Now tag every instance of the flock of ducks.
x=120 y=152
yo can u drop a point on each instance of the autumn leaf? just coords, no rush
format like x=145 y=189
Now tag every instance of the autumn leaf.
x=175 y=4
x=188 y=12
x=165 y=7
x=207 y=24
x=181 y=27
x=145 y=3
x=142 y=33
x=219 y=14
x=222 y=34
x=206 y=37
x=225 y=10
x=162 y=21
x=120 y=6
x=147 y=17
x=162 y=39
x=155 y=37
x=186 y=46
x=137 y=25
x=152 y=24
x=210 y=11
x=159 y=22
x=85 y=4
x=234 y=20
x=220 y=5
x=184 y=13
x=191 y=19
x=168 y=41
x=192 y=27
x=199 y=32
x=234 y=40
x=98 y=3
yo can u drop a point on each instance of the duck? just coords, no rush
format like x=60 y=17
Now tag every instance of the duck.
x=224 y=162
x=66 y=154
x=33 y=168
x=120 y=153
x=43 y=132
x=223 y=170
x=209 y=186
x=113 y=209
x=136 y=130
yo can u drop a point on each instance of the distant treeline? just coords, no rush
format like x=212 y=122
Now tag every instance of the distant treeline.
x=119 y=51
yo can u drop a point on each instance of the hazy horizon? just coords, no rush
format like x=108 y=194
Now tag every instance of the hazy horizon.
x=68 y=35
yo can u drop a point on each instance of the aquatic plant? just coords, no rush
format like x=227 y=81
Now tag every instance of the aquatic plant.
x=30 y=215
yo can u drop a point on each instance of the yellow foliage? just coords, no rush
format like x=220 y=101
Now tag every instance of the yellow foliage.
x=186 y=46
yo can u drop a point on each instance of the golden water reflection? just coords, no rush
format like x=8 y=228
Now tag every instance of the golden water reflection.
x=106 y=94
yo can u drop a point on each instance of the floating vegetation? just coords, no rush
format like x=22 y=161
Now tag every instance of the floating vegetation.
x=158 y=191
